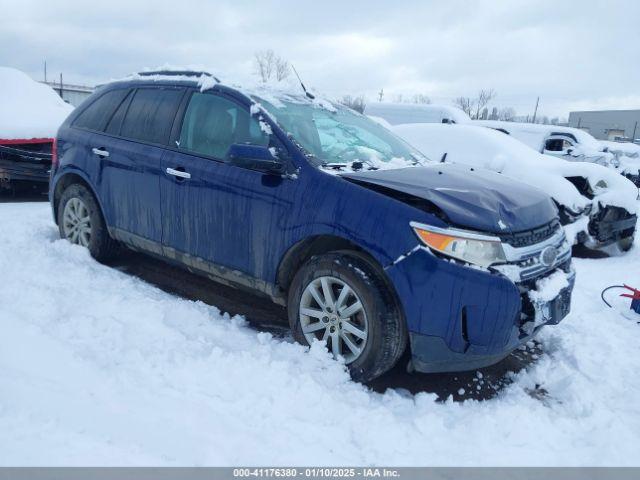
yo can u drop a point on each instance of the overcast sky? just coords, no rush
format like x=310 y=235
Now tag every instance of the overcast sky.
x=573 y=54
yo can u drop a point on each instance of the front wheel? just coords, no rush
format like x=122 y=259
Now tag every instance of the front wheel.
x=340 y=299
x=625 y=244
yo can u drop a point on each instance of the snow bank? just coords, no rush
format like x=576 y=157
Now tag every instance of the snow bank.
x=100 y=368
x=28 y=109
x=491 y=149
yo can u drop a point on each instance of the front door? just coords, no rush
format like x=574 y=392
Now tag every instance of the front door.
x=213 y=212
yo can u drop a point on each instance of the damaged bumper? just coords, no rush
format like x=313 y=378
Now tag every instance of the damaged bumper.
x=463 y=318
x=611 y=224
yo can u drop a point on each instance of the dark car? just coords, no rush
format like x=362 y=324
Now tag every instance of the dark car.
x=305 y=202
x=25 y=162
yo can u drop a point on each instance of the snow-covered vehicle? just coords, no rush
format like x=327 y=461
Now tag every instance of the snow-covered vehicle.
x=320 y=209
x=568 y=143
x=30 y=114
x=628 y=156
x=597 y=206
x=399 y=113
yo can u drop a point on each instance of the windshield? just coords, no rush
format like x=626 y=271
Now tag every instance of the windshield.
x=337 y=135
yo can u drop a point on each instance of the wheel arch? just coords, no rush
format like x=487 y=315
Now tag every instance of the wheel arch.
x=302 y=251
x=63 y=182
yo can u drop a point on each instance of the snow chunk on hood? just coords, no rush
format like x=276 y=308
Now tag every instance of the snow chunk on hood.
x=29 y=109
x=486 y=148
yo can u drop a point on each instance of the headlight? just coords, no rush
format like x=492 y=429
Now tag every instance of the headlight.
x=470 y=247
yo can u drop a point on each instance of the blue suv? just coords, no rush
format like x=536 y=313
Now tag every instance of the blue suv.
x=372 y=248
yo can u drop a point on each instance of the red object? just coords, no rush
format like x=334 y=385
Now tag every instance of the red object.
x=54 y=153
x=635 y=293
x=15 y=141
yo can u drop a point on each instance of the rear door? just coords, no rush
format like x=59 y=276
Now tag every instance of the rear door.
x=134 y=141
x=217 y=212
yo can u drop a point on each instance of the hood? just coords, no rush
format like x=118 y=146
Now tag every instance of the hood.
x=470 y=198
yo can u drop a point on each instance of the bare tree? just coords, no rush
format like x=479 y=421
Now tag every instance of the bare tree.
x=484 y=97
x=507 y=114
x=494 y=114
x=356 y=103
x=421 y=98
x=282 y=69
x=269 y=65
x=465 y=104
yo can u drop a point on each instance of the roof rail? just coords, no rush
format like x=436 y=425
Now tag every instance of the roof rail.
x=178 y=73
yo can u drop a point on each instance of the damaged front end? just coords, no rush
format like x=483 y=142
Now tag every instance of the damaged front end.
x=610 y=225
x=466 y=316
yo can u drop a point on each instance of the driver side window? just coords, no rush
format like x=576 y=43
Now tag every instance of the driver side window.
x=212 y=124
x=557 y=145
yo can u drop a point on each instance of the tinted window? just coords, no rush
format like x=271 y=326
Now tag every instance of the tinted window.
x=98 y=113
x=113 y=127
x=150 y=115
x=212 y=124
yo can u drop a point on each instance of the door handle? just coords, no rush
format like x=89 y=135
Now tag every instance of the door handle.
x=101 y=152
x=178 y=173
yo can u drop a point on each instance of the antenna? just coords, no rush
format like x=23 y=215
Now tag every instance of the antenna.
x=302 y=84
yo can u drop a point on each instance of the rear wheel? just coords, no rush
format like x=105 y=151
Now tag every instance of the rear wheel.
x=80 y=221
x=340 y=299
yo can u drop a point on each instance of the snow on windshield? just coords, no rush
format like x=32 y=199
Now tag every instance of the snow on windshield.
x=337 y=136
x=29 y=109
x=487 y=148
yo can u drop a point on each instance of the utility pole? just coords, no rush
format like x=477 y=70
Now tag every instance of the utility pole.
x=61 y=86
x=380 y=94
x=633 y=137
x=45 y=71
x=535 y=112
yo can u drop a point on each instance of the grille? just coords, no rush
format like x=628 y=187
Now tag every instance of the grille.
x=531 y=237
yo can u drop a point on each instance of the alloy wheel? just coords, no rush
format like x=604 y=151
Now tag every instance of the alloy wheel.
x=76 y=222
x=331 y=311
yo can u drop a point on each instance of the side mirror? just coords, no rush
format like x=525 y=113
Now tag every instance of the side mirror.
x=254 y=157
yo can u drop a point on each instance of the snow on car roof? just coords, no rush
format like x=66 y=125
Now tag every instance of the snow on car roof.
x=29 y=109
x=488 y=148
x=534 y=134
x=625 y=148
x=399 y=113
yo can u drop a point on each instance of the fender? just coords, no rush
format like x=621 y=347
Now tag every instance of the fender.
x=64 y=171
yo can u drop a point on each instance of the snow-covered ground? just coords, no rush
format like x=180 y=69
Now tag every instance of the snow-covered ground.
x=100 y=368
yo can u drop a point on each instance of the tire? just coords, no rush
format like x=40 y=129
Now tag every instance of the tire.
x=379 y=318
x=625 y=244
x=78 y=207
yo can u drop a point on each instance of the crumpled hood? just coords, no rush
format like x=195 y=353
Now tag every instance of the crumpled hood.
x=474 y=199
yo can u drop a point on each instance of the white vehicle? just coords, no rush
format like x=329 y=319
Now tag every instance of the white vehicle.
x=626 y=149
x=399 y=113
x=568 y=143
x=597 y=206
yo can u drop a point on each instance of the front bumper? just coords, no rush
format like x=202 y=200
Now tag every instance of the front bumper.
x=611 y=224
x=463 y=318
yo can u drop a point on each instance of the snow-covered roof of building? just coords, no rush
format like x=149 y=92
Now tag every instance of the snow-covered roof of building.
x=399 y=113
x=29 y=109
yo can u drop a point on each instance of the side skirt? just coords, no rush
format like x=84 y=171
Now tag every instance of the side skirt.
x=200 y=266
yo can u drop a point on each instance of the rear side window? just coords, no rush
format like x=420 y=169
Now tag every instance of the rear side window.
x=212 y=124
x=113 y=127
x=96 y=115
x=150 y=114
